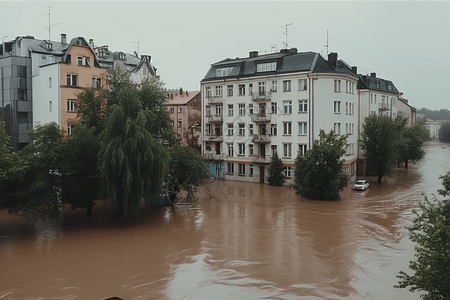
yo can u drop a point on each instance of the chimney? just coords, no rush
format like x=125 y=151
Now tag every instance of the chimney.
x=292 y=51
x=252 y=54
x=187 y=93
x=355 y=70
x=333 y=59
x=63 y=39
x=91 y=43
x=171 y=95
x=181 y=91
x=373 y=74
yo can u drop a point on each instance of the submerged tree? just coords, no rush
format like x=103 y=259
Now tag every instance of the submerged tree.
x=379 y=141
x=276 y=171
x=319 y=173
x=431 y=232
x=444 y=132
x=132 y=162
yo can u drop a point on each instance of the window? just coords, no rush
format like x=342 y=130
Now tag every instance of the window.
x=346 y=108
x=230 y=168
x=219 y=90
x=287 y=128
x=172 y=110
x=172 y=123
x=219 y=109
x=287 y=150
x=337 y=107
x=207 y=145
x=274 y=86
x=96 y=82
x=273 y=129
x=241 y=148
x=69 y=129
x=49 y=105
x=241 y=109
x=83 y=61
x=49 y=82
x=180 y=109
x=287 y=171
x=144 y=71
x=230 y=149
x=274 y=108
x=287 y=107
x=208 y=110
x=302 y=128
x=222 y=72
x=286 y=86
x=389 y=87
x=302 y=106
x=230 y=90
x=378 y=85
x=230 y=110
x=337 y=86
x=266 y=67
x=250 y=109
x=179 y=123
x=261 y=88
x=302 y=149
x=241 y=169
x=250 y=170
x=250 y=89
x=250 y=149
x=242 y=129
x=230 y=129
x=302 y=84
x=347 y=86
x=250 y=129
x=337 y=128
x=208 y=92
x=241 y=89
x=273 y=150
x=208 y=129
x=72 y=79
x=71 y=105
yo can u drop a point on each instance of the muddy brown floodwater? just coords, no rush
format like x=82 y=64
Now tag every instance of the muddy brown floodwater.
x=239 y=241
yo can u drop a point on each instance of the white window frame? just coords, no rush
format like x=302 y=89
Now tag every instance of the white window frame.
x=286 y=86
x=302 y=128
x=230 y=129
x=302 y=106
x=96 y=82
x=71 y=105
x=302 y=85
x=229 y=90
x=273 y=129
x=337 y=107
x=241 y=169
x=241 y=109
x=72 y=79
x=83 y=61
x=337 y=86
x=287 y=128
x=219 y=90
x=230 y=149
x=287 y=150
x=287 y=172
x=274 y=108
x=241 y=148
x=287 y=107
x=241 y=89
x=302 y=148
x=274 y=86
x=241 y=129
x=230 y=168
x=230 y=110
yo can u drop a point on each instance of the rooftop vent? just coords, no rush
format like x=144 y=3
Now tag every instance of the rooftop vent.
x=252 y=54
x=63 y=38
x=373 y=74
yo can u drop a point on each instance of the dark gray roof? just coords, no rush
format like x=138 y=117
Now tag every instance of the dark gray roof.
x=288 y=61
x=136 y=63
x=372 y=82
x=40 y=46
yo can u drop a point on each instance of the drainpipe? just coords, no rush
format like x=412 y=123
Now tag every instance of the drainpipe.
x=311 y=109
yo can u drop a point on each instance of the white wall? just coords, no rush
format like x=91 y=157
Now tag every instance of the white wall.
x=43 y=94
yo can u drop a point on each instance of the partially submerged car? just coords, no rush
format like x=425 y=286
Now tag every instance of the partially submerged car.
x=361 y=185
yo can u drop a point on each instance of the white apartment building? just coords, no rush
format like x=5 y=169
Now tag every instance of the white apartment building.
x=254 y=106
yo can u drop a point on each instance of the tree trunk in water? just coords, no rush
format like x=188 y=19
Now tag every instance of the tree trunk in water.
x=406 y=164
x=379 y=179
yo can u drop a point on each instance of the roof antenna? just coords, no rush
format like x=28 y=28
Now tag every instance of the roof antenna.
x=286 y=33
x=49 y=25
x=327 y=45
x=137 y=45
x=272 y=47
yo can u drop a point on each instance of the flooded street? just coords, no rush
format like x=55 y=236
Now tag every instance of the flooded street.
x=239 y=241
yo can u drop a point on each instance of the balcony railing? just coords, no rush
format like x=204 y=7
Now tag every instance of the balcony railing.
x=383 y=106
x=261 y=96
x=214 y=99
x=261 y=138
x=257 y=158
x=214 y=137
x=261 y=117
x=214 y=156
x=214 y=118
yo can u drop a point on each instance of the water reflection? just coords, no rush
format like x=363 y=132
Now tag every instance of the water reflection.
x=239 y=241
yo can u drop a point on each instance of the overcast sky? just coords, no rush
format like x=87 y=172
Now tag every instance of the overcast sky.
x=406 y=42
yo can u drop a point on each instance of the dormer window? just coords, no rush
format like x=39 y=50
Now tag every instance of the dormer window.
x=48 y=45
x=378 y=85
x=390 y=87
x=266 y=67
x=83 y=61
x=122 y=56
x=222 y=72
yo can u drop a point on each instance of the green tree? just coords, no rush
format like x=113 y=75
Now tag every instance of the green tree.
x=91 y=106
x=431 y=233
x=39 y=194
x=409 y=141
x=187 y=170
x=12 y=169
x=78 y=166
x=379 y=141
x=444 y=132
x=319 y=173
x=132 y=163
x=276 y=171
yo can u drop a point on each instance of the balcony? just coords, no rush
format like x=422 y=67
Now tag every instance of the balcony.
x=260 y=159
x=214 y=156
x=383 y=106
x=261 y=138
x=261 y=96
x=214 y=118
x=261 y=117
x=213 y=137
x=214 y=99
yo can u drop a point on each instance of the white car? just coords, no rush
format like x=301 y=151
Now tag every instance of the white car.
x=361 y=185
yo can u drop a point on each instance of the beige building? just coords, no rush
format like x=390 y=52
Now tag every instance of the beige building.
x=185 y=111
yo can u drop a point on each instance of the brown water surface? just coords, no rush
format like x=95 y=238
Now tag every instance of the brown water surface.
x=239 y=241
